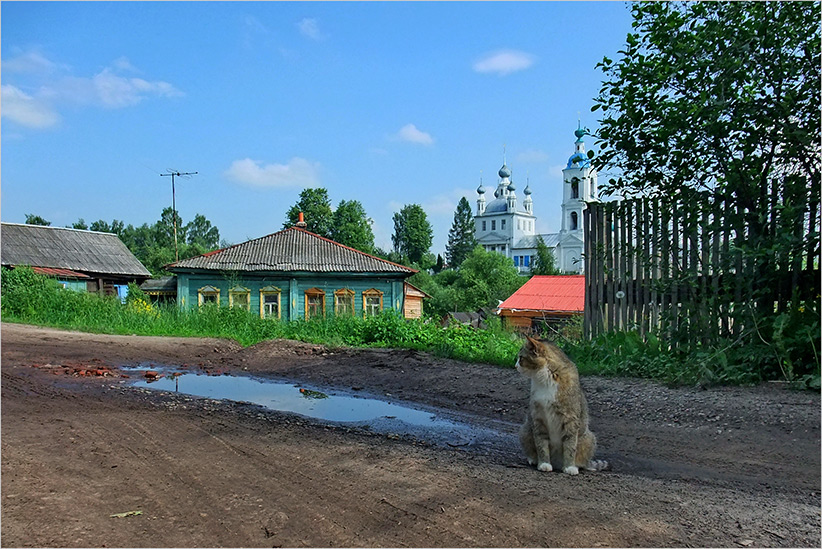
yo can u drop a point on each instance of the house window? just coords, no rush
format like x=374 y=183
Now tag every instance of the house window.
x=314 y=303
x=208 y=295
x=270 y=302
x=516 y=261
x=239 y=297
x=527 y=260
x=502 y=224
x=575 y=188
x=344 y=302
x=493 y=224
x=372 y=302
x=483 y=226
x=574 y=221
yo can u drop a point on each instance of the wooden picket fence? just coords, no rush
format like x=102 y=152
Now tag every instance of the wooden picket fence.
x=697 y=274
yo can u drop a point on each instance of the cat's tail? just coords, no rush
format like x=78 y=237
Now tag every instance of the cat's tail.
x=597 y=465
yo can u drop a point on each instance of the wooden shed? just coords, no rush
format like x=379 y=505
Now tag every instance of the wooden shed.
x=413 y=301
x=294 y=274
x=546 y=300
x=81 y=260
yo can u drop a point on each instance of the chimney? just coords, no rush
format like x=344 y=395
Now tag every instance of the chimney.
x=301 y=223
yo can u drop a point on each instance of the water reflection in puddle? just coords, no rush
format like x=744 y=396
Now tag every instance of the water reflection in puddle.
x=288 y=397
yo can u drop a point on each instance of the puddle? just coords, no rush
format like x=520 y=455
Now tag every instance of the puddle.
x=332 y=406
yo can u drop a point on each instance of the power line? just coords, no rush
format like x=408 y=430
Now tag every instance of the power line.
x=174 y=174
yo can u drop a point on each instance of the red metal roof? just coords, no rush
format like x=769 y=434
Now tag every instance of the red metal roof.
x=49 y=271
x=549 y=293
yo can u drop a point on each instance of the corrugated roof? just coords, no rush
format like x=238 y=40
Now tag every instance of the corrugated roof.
x=292 y=249
x=549 y=293
x=74 y=249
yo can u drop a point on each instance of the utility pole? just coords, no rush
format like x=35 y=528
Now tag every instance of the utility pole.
x=174 y=205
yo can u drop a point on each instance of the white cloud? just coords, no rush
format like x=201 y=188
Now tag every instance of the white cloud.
x=299 y=172
x=410 y=133
x=29 y=62
x=504 y=62
x=532 y=155
x=122 y=63
x=106 y=89
x=446 y=204
x=555 y=172
x=113 y=91
x=308 y=27
x=25 y=109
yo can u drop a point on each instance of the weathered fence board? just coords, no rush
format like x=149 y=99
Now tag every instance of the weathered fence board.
x=689 y=273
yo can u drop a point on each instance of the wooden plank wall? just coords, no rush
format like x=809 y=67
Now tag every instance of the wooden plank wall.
x=695 y=275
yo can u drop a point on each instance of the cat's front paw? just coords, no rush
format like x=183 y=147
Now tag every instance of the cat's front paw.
x=546 y=467
x=571 y=470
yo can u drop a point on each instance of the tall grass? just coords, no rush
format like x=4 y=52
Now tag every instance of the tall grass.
x=35 y=299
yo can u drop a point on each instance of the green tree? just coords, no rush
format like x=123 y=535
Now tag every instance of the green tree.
x=351 y=226
x=720 y=101
x=80 y=224
x=543 y=263
x=717 y=96
x=316 y=208
x=413 y=233
x=484 y=279
x=200 y=232
x=32 y=219
x=461 y=239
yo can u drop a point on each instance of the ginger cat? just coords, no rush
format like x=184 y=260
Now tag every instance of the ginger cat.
x=555 y=433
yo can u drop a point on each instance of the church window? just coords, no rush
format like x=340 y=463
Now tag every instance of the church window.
x=575 y=188
x=483 y=226
x=502 y=224
x=519 y=224
x=493 y=224
x=574 y=221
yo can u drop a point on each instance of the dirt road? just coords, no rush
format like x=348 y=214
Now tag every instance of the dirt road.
x=736 y=467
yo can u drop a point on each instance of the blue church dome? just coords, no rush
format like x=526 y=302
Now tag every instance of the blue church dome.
x=504 y=171
x=578 y=160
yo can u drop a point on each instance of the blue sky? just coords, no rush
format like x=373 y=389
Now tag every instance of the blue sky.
x=388 y=103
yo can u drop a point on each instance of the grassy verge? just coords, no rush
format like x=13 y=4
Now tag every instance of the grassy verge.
x=34 y=299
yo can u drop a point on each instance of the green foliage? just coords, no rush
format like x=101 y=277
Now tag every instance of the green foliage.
x=718 y=103
x=80 y=224
x=351 y=226
x=32 y=219
x=713 y=95
x=316 y=208
x=461 y=236
x=413 y=233
x=483 y=280
x=543 y=262
x=32 y=298
x=202 y=234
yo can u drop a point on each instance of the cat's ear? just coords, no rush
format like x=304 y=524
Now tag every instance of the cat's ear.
x=531 y=343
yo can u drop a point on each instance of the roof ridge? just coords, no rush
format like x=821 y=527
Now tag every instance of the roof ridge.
x=57 y=228
x=353 y=249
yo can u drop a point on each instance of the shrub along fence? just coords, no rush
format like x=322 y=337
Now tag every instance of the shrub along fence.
x=698 y=270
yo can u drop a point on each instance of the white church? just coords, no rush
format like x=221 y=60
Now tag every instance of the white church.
x=506 y=226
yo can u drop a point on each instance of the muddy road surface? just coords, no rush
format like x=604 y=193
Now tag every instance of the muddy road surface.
x=89 y=459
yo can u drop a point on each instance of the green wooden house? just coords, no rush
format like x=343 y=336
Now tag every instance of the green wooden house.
x=294 y=274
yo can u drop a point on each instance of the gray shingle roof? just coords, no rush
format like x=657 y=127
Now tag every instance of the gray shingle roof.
x=293 y=249
x=56 y=247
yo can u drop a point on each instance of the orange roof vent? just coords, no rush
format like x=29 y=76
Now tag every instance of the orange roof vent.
x=301 y=223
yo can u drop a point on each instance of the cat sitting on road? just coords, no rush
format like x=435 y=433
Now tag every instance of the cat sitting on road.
x=555 y=434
